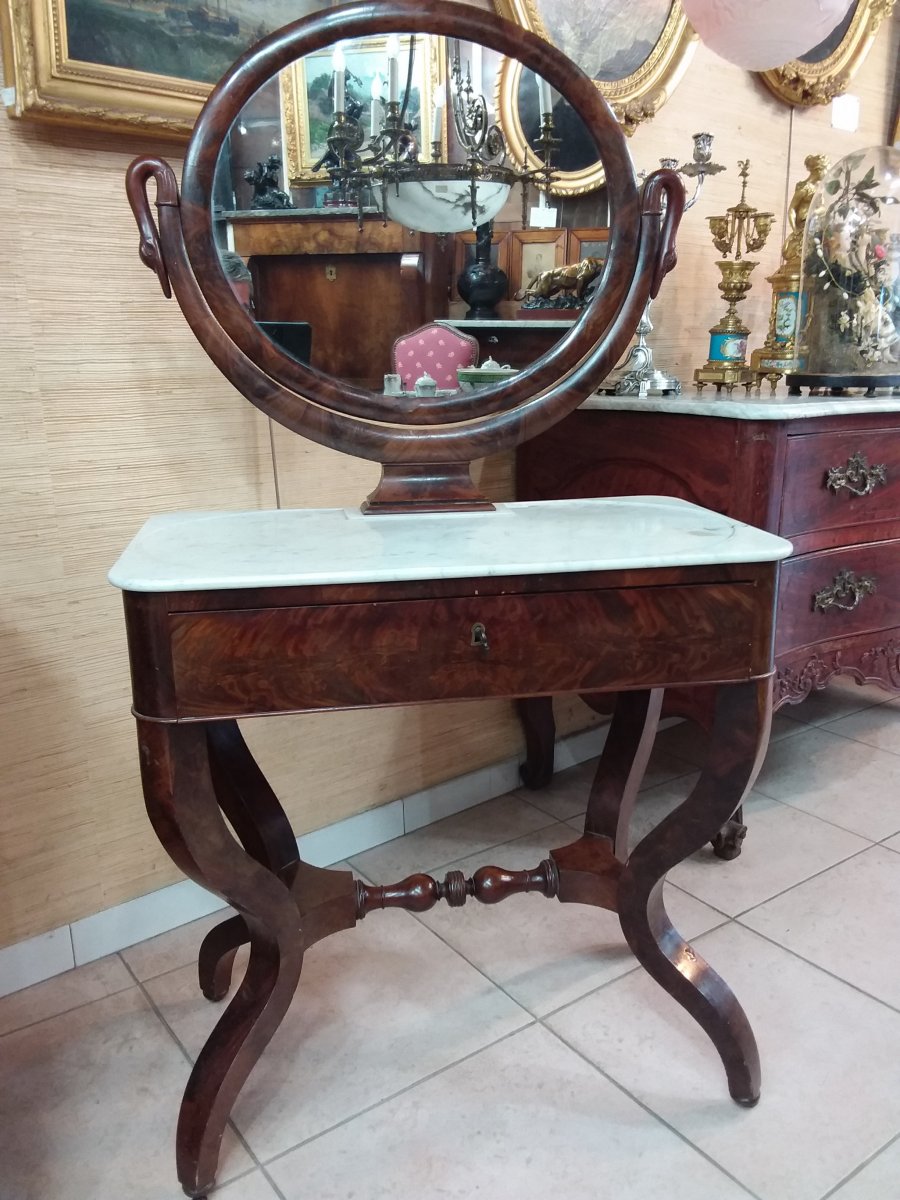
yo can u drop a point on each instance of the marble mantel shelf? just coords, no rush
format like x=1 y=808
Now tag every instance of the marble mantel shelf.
x=193 y=551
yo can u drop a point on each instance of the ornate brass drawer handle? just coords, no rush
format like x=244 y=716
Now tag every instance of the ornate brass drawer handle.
x=857 y=477
x=845 y=593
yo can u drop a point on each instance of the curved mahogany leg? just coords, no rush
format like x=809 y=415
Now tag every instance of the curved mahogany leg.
x=183 y=807
x=623 y=762
x=256 y=815
x=539 y=727
x=216 y=957
x=740 y=735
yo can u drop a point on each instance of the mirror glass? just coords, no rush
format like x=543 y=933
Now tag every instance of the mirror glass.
x=352 y=229
x=828 y=46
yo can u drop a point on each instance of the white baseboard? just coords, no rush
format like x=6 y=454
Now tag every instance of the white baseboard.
x=113 y=929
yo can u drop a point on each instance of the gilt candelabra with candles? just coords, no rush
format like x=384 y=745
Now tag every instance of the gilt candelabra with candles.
x=418 y=190
x=742 y=228
x=637 y=375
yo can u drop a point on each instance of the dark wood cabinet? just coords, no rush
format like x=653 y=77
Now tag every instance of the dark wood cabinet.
x=517 y=342
x=359 y=289
x=826 y=477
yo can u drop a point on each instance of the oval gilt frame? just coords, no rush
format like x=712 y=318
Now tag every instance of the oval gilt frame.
x=634 y=99
x=805 y=84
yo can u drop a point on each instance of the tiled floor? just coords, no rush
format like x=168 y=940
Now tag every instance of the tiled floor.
x=517 y=1051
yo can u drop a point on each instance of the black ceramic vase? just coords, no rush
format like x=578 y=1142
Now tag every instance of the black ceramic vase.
x=482 y=284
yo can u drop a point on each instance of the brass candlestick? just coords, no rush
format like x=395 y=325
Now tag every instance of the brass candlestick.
x=778 y=353
x=741 y=229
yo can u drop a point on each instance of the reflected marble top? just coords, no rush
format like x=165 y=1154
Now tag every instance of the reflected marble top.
x=780 y=407
x=196 y=551
x=507 y=323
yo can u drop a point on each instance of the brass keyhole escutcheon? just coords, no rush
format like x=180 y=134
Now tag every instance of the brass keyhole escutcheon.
x=480 y=637
x=331 y=273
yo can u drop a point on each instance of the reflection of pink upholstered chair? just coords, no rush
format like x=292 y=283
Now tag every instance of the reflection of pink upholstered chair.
x=436 y=350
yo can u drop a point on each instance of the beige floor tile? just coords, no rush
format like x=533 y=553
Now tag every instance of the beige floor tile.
x=567 y=794
x=543 y=953
x=783 y=847
x=876 y=726
x=173 y=949
x=378 y=1008
x=842 y=697
x=829 y=1060
x=688 y=741
x=254 y=1186
x=827 y=776
x=878 y=1180
x=526 y=1117
x=653 y=804
x=89 y=1103
x=63 y=992
x=489 y=824
x=844 y=920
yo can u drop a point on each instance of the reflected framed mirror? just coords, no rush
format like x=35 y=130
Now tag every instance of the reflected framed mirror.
x=635 y=53
x=277 y=289
x=827 y=69
x=307 y=101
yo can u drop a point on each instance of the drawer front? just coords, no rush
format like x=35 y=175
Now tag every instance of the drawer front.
x=340 y=656
x=838 y=593
x=833 y=480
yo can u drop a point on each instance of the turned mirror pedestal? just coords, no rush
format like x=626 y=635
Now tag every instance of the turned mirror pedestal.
x=432 y=593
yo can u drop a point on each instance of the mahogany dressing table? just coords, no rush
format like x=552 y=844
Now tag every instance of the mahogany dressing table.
x=431 y=593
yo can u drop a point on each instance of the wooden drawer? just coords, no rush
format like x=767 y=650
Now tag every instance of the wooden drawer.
x=869 y=601
x=811 y=504
x=293 y=659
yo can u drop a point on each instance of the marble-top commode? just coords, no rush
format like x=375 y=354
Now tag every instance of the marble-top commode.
x=747 y=408
x=195 y=551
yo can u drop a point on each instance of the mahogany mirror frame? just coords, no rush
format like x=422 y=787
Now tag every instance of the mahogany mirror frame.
x=425 y=445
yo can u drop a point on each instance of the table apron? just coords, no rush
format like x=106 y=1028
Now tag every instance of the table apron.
x=271 y=660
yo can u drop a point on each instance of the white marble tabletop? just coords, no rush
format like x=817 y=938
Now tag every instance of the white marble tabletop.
x=757 y=408
x=195 y=551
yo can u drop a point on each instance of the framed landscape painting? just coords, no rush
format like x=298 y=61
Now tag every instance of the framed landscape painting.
x=127 y=63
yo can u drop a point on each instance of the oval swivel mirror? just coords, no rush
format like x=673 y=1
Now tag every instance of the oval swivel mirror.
x=395 y=169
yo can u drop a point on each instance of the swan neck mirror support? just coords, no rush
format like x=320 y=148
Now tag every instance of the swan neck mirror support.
x=424 y=441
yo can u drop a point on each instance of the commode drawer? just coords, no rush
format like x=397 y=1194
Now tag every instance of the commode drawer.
x=832 y=480
x=838 y=593
x=338 y=656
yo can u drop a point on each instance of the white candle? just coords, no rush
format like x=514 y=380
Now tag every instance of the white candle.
x=375 y=127
x=438 y=114
x=545 y=96
x=393 y=52
x=339 y=66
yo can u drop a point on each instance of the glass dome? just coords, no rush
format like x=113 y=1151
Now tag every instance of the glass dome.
x=850 y=309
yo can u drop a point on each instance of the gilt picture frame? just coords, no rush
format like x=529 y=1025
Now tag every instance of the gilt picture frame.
x=638 y=62
x=828 y=69
x=305 y=103
x=116 y=65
